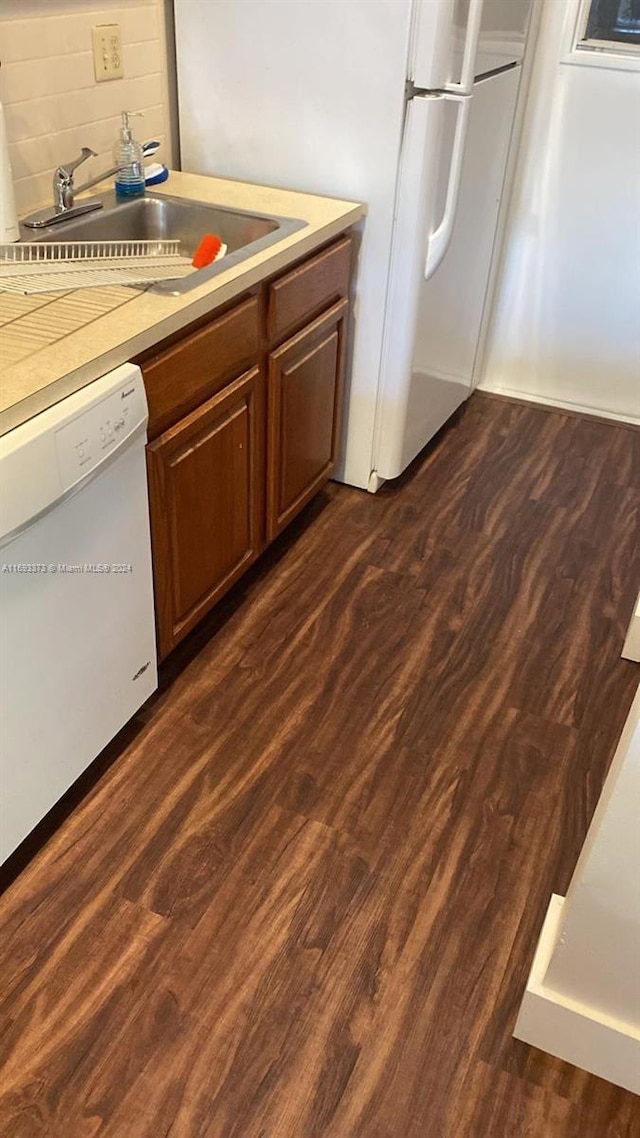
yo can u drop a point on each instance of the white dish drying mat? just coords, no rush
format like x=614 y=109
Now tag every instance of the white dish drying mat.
x=59 y=266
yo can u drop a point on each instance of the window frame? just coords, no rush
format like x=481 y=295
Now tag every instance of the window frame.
x=594 y=53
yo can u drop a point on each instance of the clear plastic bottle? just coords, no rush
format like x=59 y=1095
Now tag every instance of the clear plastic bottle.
x=127 y=152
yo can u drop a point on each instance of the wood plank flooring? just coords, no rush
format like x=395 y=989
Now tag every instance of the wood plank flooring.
x=303 y=898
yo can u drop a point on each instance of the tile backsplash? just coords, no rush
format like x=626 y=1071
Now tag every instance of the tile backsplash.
x=52 y=103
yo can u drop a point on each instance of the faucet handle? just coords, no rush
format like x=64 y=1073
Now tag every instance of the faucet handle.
x=63 y=190
x=67 y=169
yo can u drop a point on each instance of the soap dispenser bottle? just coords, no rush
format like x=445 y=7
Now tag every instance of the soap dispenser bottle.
x=127 y=153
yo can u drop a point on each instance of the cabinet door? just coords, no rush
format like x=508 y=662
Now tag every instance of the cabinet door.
x=206 y=500
x=305 y=393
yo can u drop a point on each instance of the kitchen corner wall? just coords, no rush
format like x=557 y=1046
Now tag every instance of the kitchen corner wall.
x=565 y=329
x=53 y=105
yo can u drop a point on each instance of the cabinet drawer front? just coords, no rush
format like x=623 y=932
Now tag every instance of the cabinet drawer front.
x=186 y=374
x=305 y=396
x=307 y=290
x=205 y=494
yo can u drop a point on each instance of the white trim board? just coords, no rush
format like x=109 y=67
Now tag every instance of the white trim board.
x=557 y=404
x=631 y=648
x=572 y=1031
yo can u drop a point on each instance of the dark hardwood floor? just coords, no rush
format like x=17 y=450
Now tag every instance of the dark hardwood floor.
x=303 y=899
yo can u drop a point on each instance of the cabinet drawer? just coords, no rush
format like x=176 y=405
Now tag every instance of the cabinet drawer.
x=306 y=291
x=183 y=376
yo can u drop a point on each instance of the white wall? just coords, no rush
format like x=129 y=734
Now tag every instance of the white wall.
x=566 y=324
x=53 y=105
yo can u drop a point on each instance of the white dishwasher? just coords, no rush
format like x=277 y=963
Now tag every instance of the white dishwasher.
x=77 y=636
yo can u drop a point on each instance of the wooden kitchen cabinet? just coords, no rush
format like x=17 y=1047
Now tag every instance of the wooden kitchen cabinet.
x=304 y=401
x=244 y=420
x=206 y=494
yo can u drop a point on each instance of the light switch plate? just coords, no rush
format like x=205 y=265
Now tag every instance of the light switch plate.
x=107 y=52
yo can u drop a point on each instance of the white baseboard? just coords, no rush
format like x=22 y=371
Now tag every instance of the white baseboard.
x=572 y=1031
x=631 y=649
x=557 y=404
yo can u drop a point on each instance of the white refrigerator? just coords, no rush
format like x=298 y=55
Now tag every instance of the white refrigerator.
x=407 y=105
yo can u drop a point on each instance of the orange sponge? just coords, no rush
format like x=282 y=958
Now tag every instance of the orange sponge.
x=207 y=250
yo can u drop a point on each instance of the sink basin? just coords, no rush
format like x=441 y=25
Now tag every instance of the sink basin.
x=155 y=217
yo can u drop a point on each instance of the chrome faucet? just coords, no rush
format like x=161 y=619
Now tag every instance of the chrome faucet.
x=64 y=191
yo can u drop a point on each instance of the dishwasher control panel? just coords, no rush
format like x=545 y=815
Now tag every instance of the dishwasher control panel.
x=85 y=441
x=54 y=451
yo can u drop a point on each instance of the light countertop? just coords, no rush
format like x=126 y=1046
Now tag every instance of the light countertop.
x=106 y=327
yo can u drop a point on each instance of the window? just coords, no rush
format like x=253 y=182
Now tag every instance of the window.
x=611 y=25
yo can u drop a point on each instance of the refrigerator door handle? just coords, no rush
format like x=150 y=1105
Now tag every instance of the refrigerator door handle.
x=472 y=35
x=438 y=242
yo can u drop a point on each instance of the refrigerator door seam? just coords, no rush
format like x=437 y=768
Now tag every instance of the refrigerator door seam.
x=413 y=92
x=374 y=479
x=472 y=36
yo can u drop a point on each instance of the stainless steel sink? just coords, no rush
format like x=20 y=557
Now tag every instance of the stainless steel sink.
x=154 y=217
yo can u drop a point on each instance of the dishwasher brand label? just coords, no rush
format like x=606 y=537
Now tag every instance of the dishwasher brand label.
x=65 y=567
